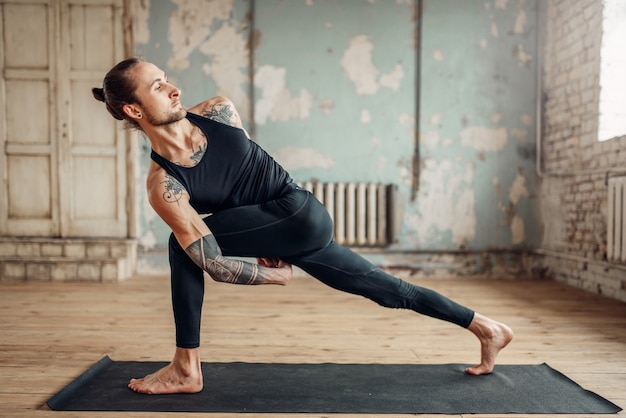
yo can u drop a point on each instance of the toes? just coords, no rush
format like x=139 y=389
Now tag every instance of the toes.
x=471 y=370
x=478 y=370
x=136 y=384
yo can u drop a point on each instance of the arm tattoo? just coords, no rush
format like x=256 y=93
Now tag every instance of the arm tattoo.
x=173 y=189
x=221 y=113
x=206 y=254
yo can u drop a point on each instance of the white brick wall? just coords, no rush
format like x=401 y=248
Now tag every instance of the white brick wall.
x=574 y=163
x=41 y=259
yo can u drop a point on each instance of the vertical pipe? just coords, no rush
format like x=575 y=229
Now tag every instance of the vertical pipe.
x=622 y=224
x=415 y=177
x=251 y=50
x=540 y=21
x=610 y=224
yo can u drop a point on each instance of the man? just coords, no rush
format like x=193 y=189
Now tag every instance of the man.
x=203 y=162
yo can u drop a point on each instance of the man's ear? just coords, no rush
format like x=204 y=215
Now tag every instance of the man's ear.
x=133 y=111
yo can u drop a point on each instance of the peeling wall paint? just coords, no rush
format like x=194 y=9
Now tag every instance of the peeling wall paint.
x=483 y=138
x=451 y=199
x=354 y=60
x=202 y=45
x=275 y=102
x=294 y=158
x=333 y=96
x=358 y=66
x=477 y=95
x=191 y=28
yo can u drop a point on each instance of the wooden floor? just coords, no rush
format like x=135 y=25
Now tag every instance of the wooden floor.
x=51 y=332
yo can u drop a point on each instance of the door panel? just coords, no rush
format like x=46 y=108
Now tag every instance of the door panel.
x=63 y=158
x=94 y=202
x=94 y=126
x=28 y=188
x=93 y=196
x=23 y=125
x=92 y=36
x=26 y=35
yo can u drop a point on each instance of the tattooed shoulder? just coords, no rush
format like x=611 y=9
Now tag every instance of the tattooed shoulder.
x=222 y=112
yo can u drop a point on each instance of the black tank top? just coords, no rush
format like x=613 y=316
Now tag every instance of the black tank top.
x=234 y=171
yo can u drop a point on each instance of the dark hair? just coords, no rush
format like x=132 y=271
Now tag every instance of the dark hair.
x=118 y=89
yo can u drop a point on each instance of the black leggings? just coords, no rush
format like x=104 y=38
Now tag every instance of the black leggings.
x=297 y=229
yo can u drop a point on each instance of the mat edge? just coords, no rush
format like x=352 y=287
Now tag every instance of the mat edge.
x=57 y=401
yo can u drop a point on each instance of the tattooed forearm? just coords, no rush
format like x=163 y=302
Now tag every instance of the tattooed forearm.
x=206 y=254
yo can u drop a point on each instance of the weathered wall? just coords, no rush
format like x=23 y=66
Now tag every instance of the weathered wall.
x=338 y=90
x=477 y=119
x=574 y=164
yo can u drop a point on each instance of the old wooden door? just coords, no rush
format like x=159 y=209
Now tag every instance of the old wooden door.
x=63 y=159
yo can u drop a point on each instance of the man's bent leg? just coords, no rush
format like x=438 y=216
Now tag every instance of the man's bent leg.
x=184 y=373
x=187 y=282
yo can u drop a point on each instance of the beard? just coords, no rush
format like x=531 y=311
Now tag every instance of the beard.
x=165 y=119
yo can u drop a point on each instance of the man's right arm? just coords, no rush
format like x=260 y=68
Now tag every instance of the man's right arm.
x=171 y=202
x=206 y=253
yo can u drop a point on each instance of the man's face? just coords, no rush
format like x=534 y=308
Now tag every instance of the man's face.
x=158 y=99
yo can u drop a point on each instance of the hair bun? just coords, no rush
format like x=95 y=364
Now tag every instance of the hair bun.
x=98 y=94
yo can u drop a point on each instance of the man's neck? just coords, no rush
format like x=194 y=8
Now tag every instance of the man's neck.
x=171 y=139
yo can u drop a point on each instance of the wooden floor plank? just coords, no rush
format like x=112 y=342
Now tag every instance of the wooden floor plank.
x=51 y=332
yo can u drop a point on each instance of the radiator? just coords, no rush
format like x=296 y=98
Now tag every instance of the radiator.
x=616 y=223
x=362 y=212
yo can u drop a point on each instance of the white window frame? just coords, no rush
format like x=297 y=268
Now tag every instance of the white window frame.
x=612 y=103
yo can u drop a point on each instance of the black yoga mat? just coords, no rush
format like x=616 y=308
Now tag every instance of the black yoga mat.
x=338 y=388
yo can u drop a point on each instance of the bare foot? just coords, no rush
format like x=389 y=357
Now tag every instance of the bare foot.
x=182 y=375
x=493 y=337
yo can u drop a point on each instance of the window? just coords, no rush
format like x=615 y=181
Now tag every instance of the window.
x=612 y=106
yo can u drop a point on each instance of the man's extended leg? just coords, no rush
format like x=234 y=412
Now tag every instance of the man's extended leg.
x=342 y=269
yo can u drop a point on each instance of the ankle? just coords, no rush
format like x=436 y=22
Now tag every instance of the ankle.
x=482 y=326
x=187 y=360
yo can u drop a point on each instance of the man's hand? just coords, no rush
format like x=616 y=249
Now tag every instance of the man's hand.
x=281 y=272
x=207 y=255
x=268 y=262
